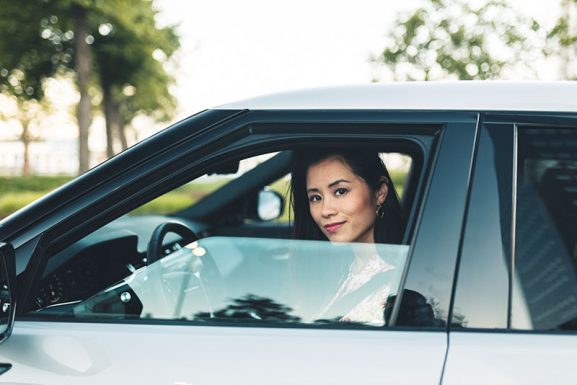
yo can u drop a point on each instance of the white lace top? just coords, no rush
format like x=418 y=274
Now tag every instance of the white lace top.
x=370 y=309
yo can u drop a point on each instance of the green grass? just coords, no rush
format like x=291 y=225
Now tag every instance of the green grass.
x=17 y=192
x=165 y=204
x=11 y=202
x=42 y=184
x=179 y=198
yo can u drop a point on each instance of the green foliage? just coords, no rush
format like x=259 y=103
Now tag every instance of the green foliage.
x=12 y=202
x=131 y=52
x=165 y=204
x=446 y=39
x=17 y=192
x=27 y=55
x=126 y=52
x=179 y=198
x=562 y=39
x=399 y=179
x=35 y=184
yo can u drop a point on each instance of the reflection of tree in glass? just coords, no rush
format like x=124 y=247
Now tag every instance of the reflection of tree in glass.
x=417 y=311
x=251 y=308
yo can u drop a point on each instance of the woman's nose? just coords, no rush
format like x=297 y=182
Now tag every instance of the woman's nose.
x=328 y=208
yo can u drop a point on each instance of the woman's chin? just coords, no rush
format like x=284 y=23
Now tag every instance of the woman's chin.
x=336 y=239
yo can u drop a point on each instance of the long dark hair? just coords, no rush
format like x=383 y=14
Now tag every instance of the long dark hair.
x=367 y=165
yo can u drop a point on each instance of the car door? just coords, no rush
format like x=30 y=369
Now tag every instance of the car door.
x=410 y=349
x=516 y=298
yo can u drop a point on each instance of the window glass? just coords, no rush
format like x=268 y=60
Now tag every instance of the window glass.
x=545 y=279
x=249 y=280
x=224 y=254
x=486 y=249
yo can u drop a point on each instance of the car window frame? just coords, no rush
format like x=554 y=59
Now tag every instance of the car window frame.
x=247 y=133
x=509 y=123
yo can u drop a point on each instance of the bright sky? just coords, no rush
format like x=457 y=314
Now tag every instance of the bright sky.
x=237 y=49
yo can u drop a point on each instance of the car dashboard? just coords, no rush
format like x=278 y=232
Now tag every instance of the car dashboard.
x=101 y=259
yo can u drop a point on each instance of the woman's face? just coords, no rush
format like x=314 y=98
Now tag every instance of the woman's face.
x=341 y=203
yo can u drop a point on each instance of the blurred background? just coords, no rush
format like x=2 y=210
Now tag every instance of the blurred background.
x=82 y=80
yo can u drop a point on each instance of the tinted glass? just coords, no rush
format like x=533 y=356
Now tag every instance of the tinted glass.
x=482 y=294
x=430 y=276
x=545 y=280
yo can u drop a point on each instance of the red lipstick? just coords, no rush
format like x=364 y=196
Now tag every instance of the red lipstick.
x=334 y=227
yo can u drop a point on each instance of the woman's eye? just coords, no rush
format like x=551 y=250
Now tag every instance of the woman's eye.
x=314 y=198
x=341 y=191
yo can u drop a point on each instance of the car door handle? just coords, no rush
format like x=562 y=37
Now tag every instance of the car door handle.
x=4 y=368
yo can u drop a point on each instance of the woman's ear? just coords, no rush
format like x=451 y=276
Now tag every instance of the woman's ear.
x=383 y=190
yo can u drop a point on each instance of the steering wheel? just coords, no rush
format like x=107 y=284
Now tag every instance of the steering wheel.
x=154 y=252
x=192 y=287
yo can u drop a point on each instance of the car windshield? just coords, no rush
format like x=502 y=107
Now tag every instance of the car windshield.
x=241 y=279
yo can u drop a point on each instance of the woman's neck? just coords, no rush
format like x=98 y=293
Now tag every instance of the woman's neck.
x=364 y=253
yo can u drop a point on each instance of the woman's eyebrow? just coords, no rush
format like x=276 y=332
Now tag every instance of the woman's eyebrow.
x=336 y=182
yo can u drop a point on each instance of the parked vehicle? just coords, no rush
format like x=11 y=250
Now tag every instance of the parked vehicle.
x=216 y=291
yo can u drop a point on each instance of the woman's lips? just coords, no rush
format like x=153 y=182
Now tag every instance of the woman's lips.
x=333 y=227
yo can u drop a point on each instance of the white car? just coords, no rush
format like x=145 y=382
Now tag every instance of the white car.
x=173 y=262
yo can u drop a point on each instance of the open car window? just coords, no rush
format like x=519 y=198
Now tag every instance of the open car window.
x=234 y=262
x=194 y=191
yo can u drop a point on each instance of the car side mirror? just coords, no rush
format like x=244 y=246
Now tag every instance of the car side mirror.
x=7 y=290
x=270 y=205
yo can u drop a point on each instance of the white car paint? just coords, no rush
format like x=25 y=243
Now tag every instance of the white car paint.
x=507 y=358
x=53 y=353
x=462 y=95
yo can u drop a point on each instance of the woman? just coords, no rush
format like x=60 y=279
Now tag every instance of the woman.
x=348 y=196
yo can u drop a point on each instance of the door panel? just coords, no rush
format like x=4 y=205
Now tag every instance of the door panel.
x=53 y=353
x=499 y=358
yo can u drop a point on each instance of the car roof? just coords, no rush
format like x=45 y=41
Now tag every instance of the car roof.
x=558 y=96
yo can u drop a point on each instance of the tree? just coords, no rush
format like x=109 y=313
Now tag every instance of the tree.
x=445 y=39
x=115 y=46
x=40 y=43
x=27 y=113
x=83 y=68
x=59 y=37
x=26 y=61
x=130 y=54
x=562 y=39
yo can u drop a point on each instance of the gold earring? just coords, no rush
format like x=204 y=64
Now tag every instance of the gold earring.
x=379 y=212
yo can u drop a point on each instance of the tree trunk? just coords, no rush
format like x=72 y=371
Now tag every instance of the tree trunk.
x=109 y=119
x=119 y=125
x=26 y=139
x=83 y=69
x=122 y=136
